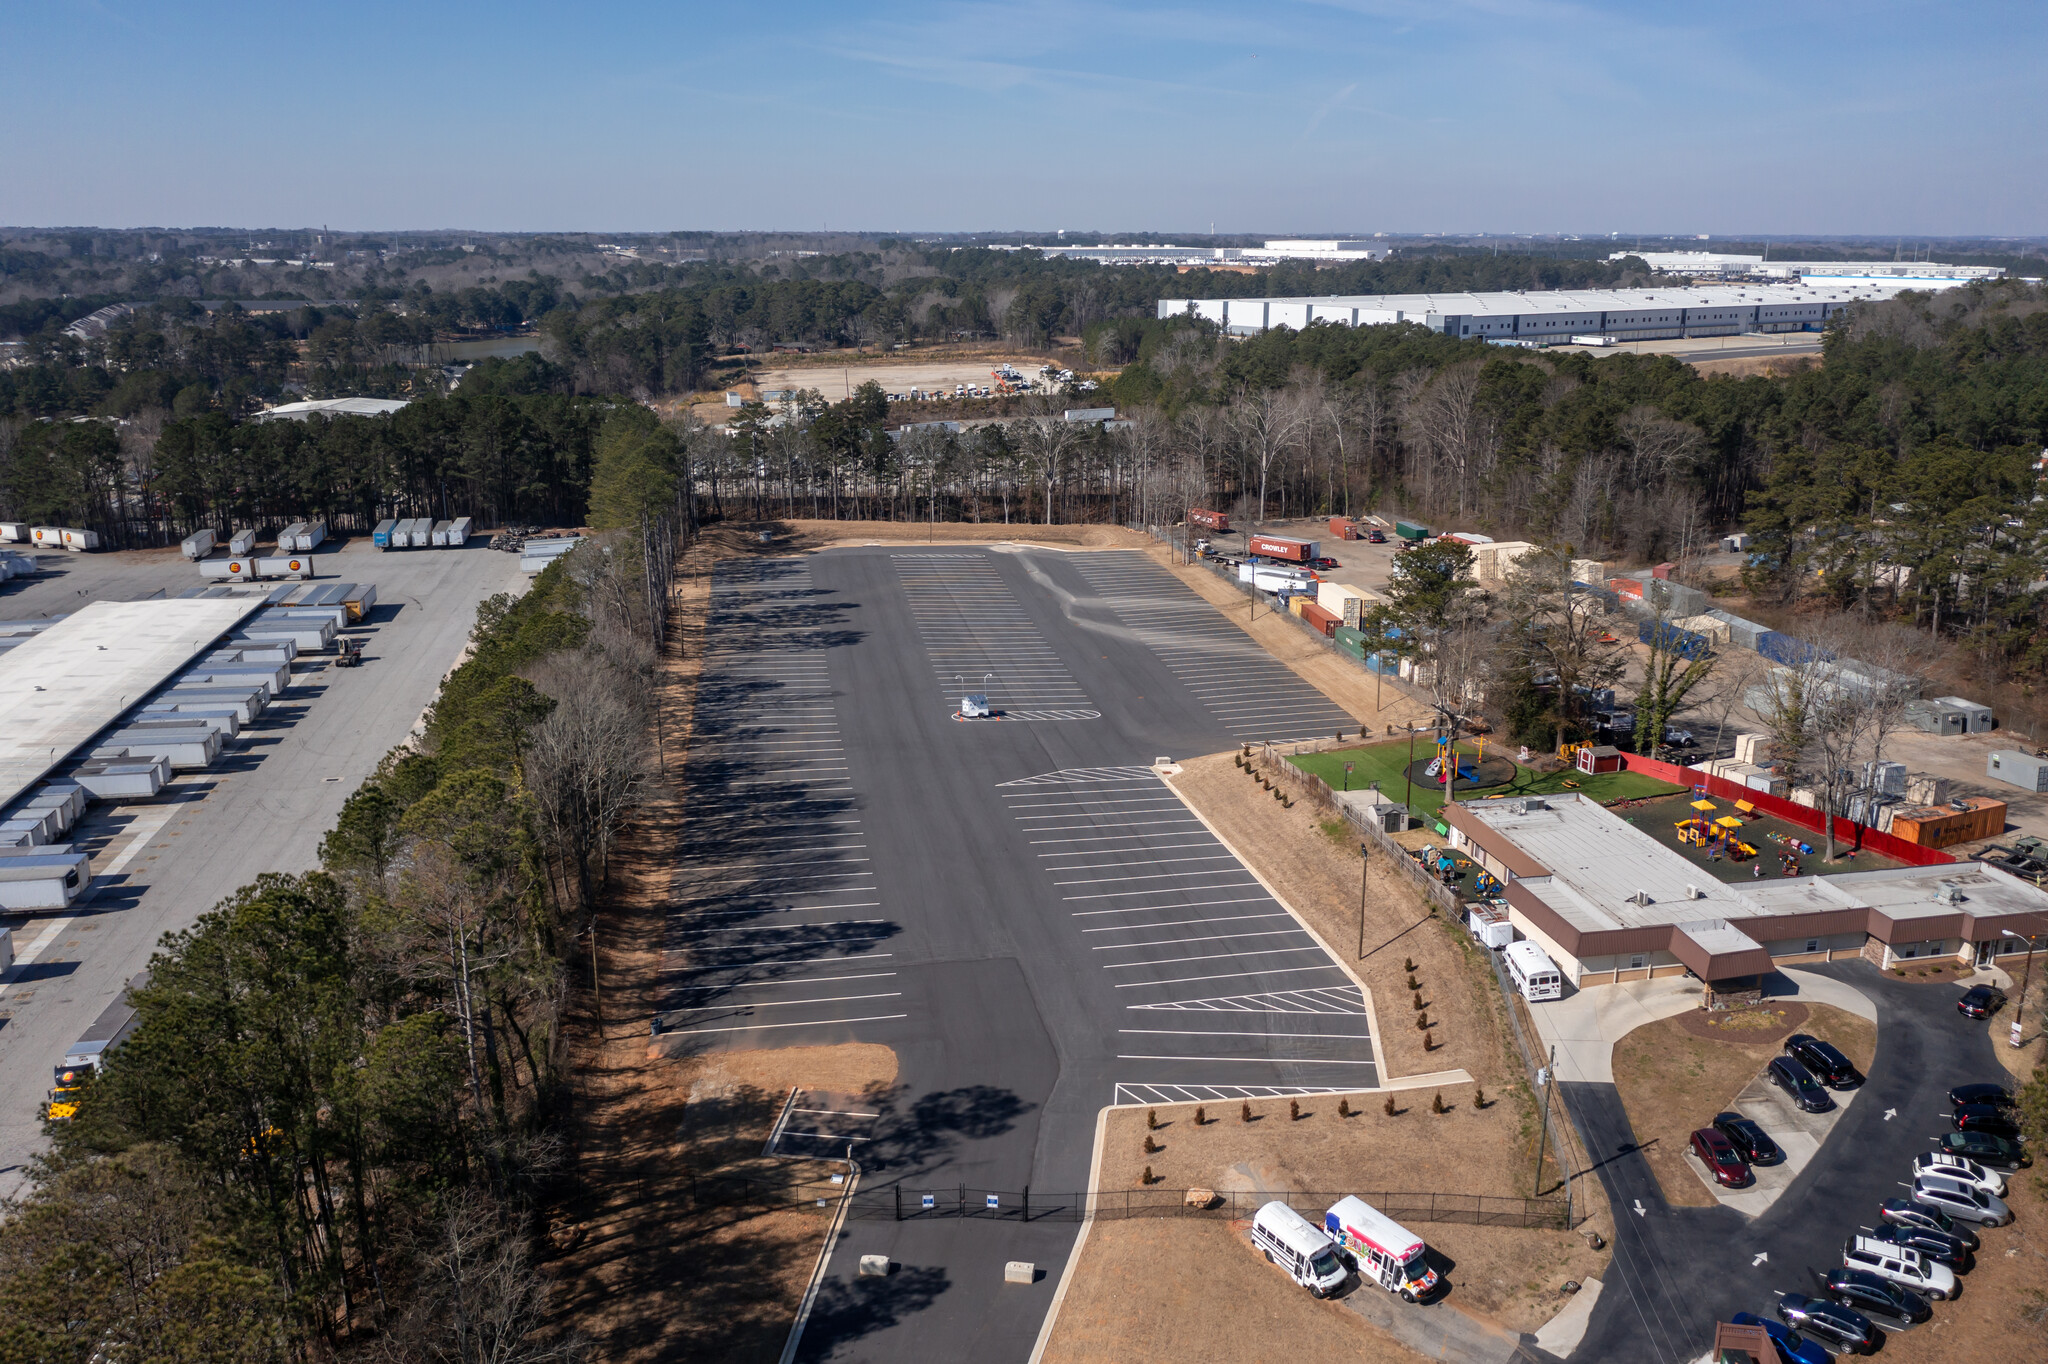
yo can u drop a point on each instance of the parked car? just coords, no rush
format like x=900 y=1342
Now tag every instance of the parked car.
x=1990 y=1118
x=1829 y=1321
x=1750 y=1141
x=1376 y=537
x=1900 y=1264
x=1997 y=1152
x=1718 y=1154
x=1937 y=1246
x=1866 y=1292
x=1325 y=563
x=1959 y=1167
x=1962 y=1202
x=1981 y=1001
x=1998 y=1096
x=1799 y=1085
x=1792 y=1348
x=1678 y=738
x=1827 y=1063
x=1904 y=1212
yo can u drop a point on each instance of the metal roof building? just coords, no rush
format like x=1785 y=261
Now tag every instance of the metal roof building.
x=1922 y=274
x=1555 y=316
x=332 y=407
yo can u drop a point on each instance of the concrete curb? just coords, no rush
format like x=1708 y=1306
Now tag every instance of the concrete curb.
x=803 y=1311
x=1379 y=1059
x=1059 y=1295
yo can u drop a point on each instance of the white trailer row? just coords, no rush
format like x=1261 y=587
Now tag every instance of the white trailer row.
x=536 y=555
x=423 y=532
x=59 y=537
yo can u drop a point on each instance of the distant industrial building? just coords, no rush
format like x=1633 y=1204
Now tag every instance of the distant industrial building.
x=1557 y=317
x=1715 y=265
x=331 y=407
x=1335 y=250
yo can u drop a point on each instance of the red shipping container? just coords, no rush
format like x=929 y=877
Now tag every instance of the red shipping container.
x=1321 y=619
x=1343 y=528
x=1214 y=520
x=1285 y=550
x=1627 y=587
x=1662 y=570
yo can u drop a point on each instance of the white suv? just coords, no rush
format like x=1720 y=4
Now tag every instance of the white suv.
x=1960 y=1168
x=1901 y=1264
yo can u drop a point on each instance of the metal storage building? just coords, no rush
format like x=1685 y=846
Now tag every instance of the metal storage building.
x=2015 y=768
x=1978 y=718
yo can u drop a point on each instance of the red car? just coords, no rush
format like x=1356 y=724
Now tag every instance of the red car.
x=1374 y=537
x=1325 y=564
x=1718 y=1154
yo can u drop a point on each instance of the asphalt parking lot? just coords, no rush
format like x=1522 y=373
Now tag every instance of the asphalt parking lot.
x=1019 y=905
x=159 y=864
x=1678 y=1270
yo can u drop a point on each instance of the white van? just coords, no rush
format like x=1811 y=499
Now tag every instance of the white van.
x=1292 y=1242
x=1534 y=974
x=1387 y=1252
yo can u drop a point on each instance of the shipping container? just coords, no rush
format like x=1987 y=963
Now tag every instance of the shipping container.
x=438 y=536
x=1706 y=627
x=1469 y=539
x=381 y=536
x=189 y=746
x=1743 y=634
x=128 y=777
x=46 y=537
x=228 y=722
x=1282 y=549
x=1944 y=826
x=1626 y=587
x=288 y=538
x=285 y=566
x=78 y=541
x=1979 y=718
x=38 y=883
x=1790 y=650
x=14 y=533
x=312 y=537
x=1323 y=621
x=2016 y=768
x=358 y=601
x=1671 y=639
x=422 y=534
x=1409 y=530
x=310 y=636
x=242 y=542
x=232 y=568
x=335 y=612
x=1344 y=601
x=246 y=701
x=197 y=545
x=460 y=531
x=1343 y=528
x=1212 y=520
x=272 y=680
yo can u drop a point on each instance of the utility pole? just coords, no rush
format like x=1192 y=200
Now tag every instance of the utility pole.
x=1547 y=1078
x=1408 y=772
x=1364 y=859
x=2019 y=1008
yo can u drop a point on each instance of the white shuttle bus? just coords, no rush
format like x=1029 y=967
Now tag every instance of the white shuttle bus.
x=1298 y=1246
x=1534 y=974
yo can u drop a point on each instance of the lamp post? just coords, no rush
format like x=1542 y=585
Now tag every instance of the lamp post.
x=2019 y=1009
x=1363 y=860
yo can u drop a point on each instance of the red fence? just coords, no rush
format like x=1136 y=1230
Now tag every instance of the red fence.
x=1806 y=817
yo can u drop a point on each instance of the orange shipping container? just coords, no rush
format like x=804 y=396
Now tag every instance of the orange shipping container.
x=1940 y=826
x=1343 y=528
x=1321 y=619
x=1627 y=587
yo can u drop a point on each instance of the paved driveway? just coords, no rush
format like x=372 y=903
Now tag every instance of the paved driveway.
x=1678 y=1270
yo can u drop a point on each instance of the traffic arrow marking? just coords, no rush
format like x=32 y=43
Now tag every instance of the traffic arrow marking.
x=1641 y=1211
x=1890 y=1113
x=1761 y=1257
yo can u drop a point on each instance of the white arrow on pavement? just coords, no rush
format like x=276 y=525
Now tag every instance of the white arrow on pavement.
x=1890 y=1113
x=1761 y=1257
x=1641 y=1211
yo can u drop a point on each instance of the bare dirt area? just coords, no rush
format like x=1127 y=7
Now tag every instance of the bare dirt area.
x=1673 y=1079
x=676 y=1239
x=1343 y=680
x=2000 y=1305
x=837 y=376
x=1766 y=366
x=1154 y=1289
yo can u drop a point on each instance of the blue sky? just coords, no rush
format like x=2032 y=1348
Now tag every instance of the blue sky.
x=1346 y=116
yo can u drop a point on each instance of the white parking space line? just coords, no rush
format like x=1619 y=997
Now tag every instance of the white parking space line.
x=1228 y=975
x=979 y=639
x=819 y=1023
x=1177 y=1032
x=1254 y=1060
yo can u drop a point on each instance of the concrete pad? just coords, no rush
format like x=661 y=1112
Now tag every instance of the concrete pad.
x=1585 y=1025
x=1798 y=1133
x=1563 y=1332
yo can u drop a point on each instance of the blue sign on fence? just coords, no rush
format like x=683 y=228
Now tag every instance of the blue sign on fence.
x=992 y=1200
x=930 y=1200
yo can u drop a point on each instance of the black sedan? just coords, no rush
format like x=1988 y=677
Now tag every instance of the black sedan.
x=1375 y=537
x=1998 y=1152
x=1991 y=1119
x=1828 y=1321
x=1799 y=1085
x=1980 y=1001
x=1904 y=1212
x=1828 y=1065
x=1866 y=1292
x=1998 y=1096
x=1938 y=1246
x=1749 y=1140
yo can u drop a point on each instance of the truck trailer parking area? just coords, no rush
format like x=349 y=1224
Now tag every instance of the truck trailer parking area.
x=263 y=805
x=1019 y=904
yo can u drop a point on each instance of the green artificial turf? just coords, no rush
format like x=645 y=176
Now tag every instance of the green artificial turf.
x=1386 y=763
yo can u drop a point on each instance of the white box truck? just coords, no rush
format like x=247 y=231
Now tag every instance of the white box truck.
x=197 y=545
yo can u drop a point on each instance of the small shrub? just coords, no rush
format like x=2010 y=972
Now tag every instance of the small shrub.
x=1436 y=1103
x=1148 y=1178
x=1152 y=1119
x=1419 y=1006
x=1294 y=1110
x=1422 y=1021
x=1151 y=1146
x=1413 y=983
x=1428 y=1039
x=1201 y=1115
x=1343 y=1108
x=1244 y=1111
x=1391 y=1110
x=1408 y=964
x=1479 y=1096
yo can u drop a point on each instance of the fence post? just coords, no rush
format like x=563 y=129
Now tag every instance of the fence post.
x=1027 y=1202
x=899 y=1202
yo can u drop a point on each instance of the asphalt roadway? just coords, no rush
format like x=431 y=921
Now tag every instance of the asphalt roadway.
x=1677 y=1271
x=159 y=864
x=1017 y=905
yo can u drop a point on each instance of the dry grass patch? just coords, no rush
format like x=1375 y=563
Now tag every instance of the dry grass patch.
x=1672 y=1080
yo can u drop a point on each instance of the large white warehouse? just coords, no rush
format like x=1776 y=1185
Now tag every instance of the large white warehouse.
x=1915 y=274
x=1559 y=315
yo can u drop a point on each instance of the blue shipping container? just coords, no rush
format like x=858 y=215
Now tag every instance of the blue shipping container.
x=1670 y=638
x=381 y=537
x=1789 y=650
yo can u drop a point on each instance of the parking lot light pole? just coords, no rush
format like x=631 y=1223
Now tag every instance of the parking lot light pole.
x=2019 y=1009
x=1363 y=860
